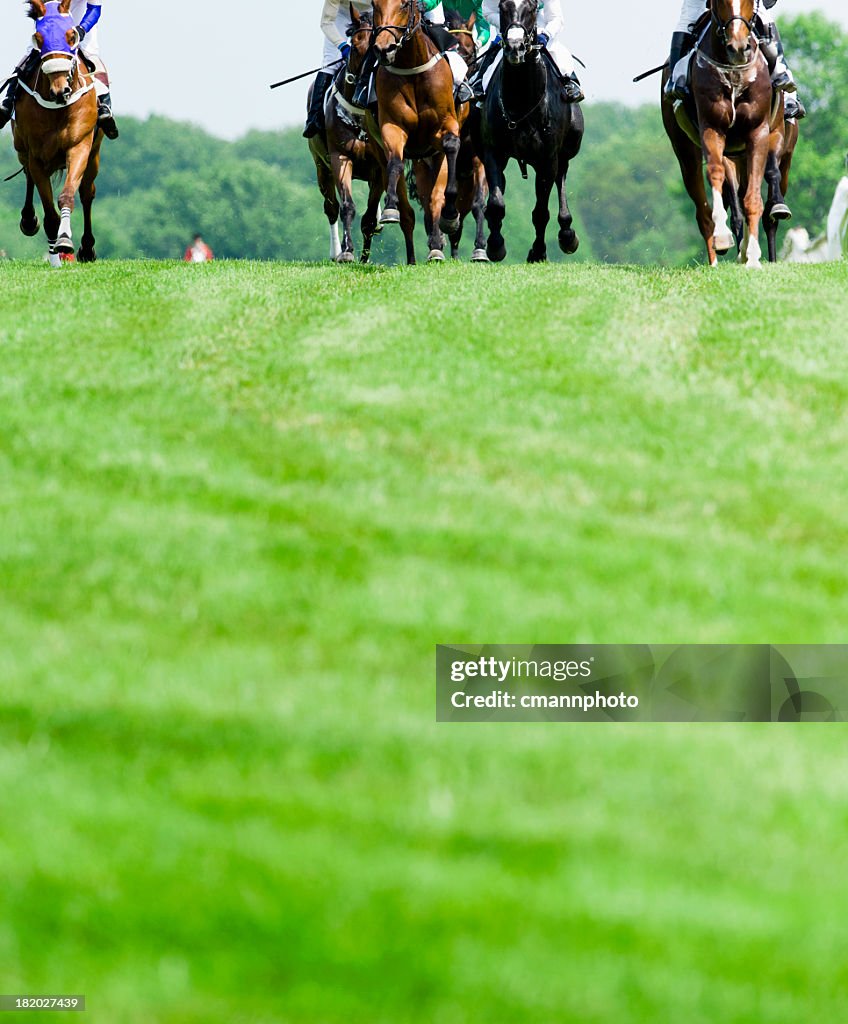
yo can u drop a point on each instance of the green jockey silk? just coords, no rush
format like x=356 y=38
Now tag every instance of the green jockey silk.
x=465 y=8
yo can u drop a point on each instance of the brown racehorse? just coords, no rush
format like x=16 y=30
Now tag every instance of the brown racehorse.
x=56 y=130
x=471 y=175
x=342 y=153
x=417 y=115
x=731 y=87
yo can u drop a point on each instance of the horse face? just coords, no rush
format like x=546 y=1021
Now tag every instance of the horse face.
x=391 y=21
x=57 y=41
x=360 y=39
x=735 y=20
x=518 y=28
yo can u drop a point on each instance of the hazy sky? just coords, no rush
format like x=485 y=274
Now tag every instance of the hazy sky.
x=207 y=66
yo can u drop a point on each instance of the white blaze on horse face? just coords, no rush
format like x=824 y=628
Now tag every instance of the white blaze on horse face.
x=516 y=35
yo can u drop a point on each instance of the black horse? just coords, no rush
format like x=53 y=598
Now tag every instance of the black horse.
x=526 y=117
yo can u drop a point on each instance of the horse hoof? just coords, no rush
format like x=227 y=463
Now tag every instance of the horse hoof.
x=534 y=257
x=87 y=255
x=449 y=226
x=64 y=245
x=569 y=243
x=496 y=254
x=480 y=256
x=390 y=217
x=724 y=242
x=345 y=257
x=30 y=228
x=780 y=211
x=436 y=256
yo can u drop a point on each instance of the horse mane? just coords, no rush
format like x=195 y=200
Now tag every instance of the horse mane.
x=36 y=9
x=454 y=21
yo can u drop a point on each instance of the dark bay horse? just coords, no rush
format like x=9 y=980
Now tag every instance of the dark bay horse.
x=735 y=114
x=417 y=116
x=526 y=117
x=56 y=130
x=343 y=152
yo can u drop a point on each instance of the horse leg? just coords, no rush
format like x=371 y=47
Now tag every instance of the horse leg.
x=541 y=216
x=496 y=206
x=713 y=145
x=568 y=240
x=435 y=204
x=394 y=143
x=369 y=218
x=757 y=155
x=731 y=198
x=51 y=218
x=407 y=222
x=343 y=179
x=87 y=191
x=29 y=218
x=78 y=160
x=326 y=187
x=478 y=208
x=451 y=144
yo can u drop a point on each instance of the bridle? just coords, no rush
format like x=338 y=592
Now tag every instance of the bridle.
x=364 y=27
x=722 y=27
x=530 y=42
x=402 y=33
x=72 y=71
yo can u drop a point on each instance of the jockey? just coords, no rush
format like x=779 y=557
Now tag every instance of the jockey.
x=550 y=25
x=464 y=8
x=335 y=24
x=683 y=40
x=85 y=17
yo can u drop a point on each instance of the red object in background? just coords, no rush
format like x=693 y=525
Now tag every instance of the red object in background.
x=199 y=252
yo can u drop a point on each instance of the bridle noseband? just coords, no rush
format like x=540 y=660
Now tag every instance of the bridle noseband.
x=722 y=27
x=402 y=33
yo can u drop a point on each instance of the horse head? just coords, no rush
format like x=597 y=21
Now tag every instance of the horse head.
x=394 y=23
x=463 y=32
x=733 y=23
x=361 y=29
x=518 y=28
x=57 y=41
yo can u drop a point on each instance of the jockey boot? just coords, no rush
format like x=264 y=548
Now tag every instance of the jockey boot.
x=26 y=67
x=315 y=116
x=105 y=118
x=363 y=83
x=571 y=88
x=782 y=79
x=677 y=88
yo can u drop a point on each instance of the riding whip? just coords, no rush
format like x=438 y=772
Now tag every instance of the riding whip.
x=653 y=71
x=307 y=74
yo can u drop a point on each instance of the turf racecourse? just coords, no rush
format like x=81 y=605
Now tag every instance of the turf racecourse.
x=241 y=503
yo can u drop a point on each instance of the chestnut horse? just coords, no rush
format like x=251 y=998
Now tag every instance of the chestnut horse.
x=735 y=115
x=56 y=130
x=342 y=154
x=417 y=116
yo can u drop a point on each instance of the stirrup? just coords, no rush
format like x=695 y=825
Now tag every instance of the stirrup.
x=572 y=89
x=463 y=93
x=782 y=81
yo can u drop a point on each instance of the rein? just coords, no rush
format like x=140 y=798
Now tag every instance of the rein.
x=511 y=122
x=71 y=100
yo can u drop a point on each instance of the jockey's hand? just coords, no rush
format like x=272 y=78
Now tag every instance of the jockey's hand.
x=80 y=31
x=344 y=50
x=543 y=39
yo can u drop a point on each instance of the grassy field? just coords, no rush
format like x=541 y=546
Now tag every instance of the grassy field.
x=240 y=504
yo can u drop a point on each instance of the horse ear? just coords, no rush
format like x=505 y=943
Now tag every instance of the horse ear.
x=354 y=16
x=37 y=9
x=472 y=21
x=64 y=6
x=72 y=38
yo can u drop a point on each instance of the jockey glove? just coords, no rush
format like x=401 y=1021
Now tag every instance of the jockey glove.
x=344 y=50
x=81 y=32
x=543 y=39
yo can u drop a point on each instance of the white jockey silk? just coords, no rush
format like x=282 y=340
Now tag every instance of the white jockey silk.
x=693 y=9
x=549 y=22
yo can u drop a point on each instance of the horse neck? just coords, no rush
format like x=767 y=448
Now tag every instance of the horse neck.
x=417 y=50
x=524 y=84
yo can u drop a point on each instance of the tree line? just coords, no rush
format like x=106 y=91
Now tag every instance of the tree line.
x=255 y=198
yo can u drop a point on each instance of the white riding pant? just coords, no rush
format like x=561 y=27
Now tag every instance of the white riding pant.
x=332 y=54
x=559 y=52
x=693 y=9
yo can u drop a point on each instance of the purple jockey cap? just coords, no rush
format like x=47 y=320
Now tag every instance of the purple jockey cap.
x=53 y=27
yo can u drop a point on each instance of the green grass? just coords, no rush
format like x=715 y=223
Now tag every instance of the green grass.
x=240 y=504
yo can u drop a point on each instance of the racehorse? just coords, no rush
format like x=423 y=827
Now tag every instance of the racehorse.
x=343 y=152
x=735 y=113
x=471 y=175
x=56 y=130
x=526 y=117
x=417 y=116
